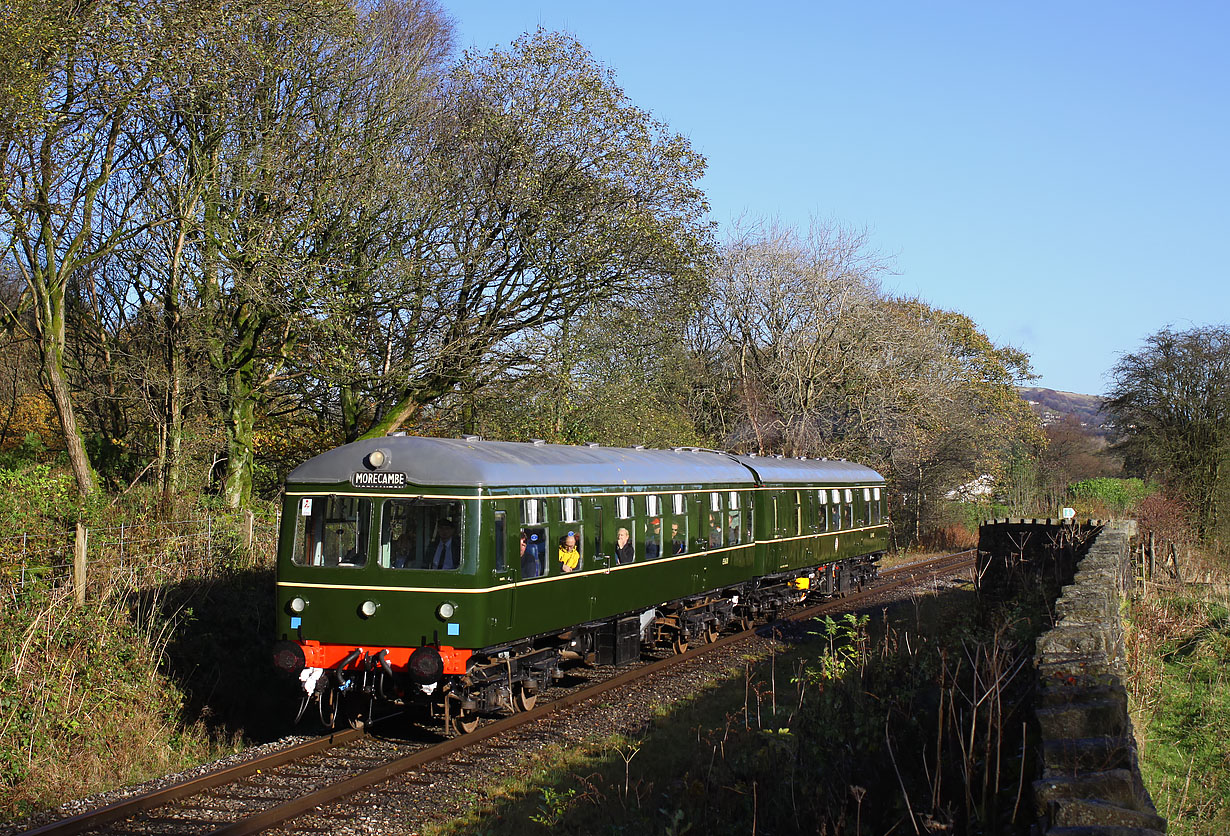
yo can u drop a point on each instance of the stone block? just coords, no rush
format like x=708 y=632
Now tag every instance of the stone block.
x=1103 y=831
x=1082 y=812
x=1116 y=786
x=1087 y=718
x=1088 y=754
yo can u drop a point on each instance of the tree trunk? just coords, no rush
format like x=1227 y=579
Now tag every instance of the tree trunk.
x=51 y=350
x=240 y=424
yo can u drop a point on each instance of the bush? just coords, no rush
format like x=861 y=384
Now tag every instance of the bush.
x=1106 y=497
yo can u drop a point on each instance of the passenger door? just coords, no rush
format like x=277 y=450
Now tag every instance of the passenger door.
x=600 y=563
x=504 y=543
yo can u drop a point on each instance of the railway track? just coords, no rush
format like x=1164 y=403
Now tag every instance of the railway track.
x=263 y=792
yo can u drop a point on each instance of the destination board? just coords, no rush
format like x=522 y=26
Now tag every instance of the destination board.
x=378 y=479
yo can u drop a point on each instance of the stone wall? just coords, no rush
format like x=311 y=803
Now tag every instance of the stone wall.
x=1090 y=780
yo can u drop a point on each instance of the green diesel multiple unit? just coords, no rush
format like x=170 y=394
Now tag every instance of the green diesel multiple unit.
x=460 y=574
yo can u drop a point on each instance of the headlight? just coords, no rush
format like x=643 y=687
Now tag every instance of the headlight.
x=376 y=458
x=297 y=604
x=368 y=609
x=445 y=611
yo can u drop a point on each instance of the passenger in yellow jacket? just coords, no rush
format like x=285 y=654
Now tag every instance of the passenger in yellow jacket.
x=569 y=555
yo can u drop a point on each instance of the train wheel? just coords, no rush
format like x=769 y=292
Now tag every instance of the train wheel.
x=330 y=700
x=679 y=645
x=524 y=700
x=744 y=623
x=711 y=634
x=459 y=720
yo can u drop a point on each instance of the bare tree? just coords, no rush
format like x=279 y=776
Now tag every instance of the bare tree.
x=544 y=191
x=1172 y=415
x=70 y=141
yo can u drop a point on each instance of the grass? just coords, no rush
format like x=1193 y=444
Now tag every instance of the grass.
x=1179 y=653
x=856 y=727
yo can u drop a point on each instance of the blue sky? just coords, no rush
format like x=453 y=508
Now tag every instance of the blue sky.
x=1057 y=171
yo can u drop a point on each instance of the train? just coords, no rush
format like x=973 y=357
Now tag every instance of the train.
x=461 y=576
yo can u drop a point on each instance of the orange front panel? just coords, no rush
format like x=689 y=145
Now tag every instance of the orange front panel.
x=319 y=655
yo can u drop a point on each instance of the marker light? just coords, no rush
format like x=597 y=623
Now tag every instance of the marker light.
x=368 y=609
x=297 y=605
x=376 y=458
x=445 y=611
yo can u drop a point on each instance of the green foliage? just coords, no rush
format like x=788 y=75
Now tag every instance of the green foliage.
x=37 y=498
x=1184 y=712
x=1117 y=496
x=84 y=706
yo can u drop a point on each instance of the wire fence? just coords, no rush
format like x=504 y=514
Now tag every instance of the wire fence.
x=101 y=560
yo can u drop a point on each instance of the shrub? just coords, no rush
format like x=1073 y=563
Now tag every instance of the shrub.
x=1107 y=497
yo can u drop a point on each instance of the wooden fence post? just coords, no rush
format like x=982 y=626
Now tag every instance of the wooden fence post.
x=248 y=520
x=79 y=543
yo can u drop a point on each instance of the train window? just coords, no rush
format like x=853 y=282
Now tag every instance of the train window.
x=849 y=495
x=422 y=534
x=651 y=543
x=332 y=531
x=679 y=504
x=570 y=509
x=625 y=547
x=847 y=515
x=798 y=512
x=653 y=504
x=835 y=510
x=500 y=529
x=570 y=545
x=679 y=535
x=774 y=532
x=835 y=497
x=878 y=506
x=749 y=534
x=715 y=521
x=623 y=507
x=866 y=494
x=533 y=511
x=822 y=510
x=533 y=552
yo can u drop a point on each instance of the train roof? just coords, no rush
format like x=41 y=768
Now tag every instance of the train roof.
x=457 y=462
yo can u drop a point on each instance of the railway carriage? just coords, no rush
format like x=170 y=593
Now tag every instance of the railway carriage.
x=440 y=572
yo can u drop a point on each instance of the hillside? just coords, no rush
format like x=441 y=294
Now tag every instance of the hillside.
x=1053 y=406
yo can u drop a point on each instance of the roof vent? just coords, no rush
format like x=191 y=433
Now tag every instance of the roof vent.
x=471 y=438
x=592 y=444
x=802 y=458
x=398 y=434
x=779 y=456
x=638 y=446
x=537 y=442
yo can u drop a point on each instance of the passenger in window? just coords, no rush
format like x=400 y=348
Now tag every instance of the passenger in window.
x=403 y=549
x=569 y=554
x=531 y=554
x=653 y=539
x=678 y=543
x=444 y=551
x=623 y=546
x=715 y=531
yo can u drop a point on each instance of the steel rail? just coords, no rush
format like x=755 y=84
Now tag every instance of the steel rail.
x=266 y=819
x=127 y=807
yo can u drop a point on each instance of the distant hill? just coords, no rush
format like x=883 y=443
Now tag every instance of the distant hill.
x=1053 y=406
